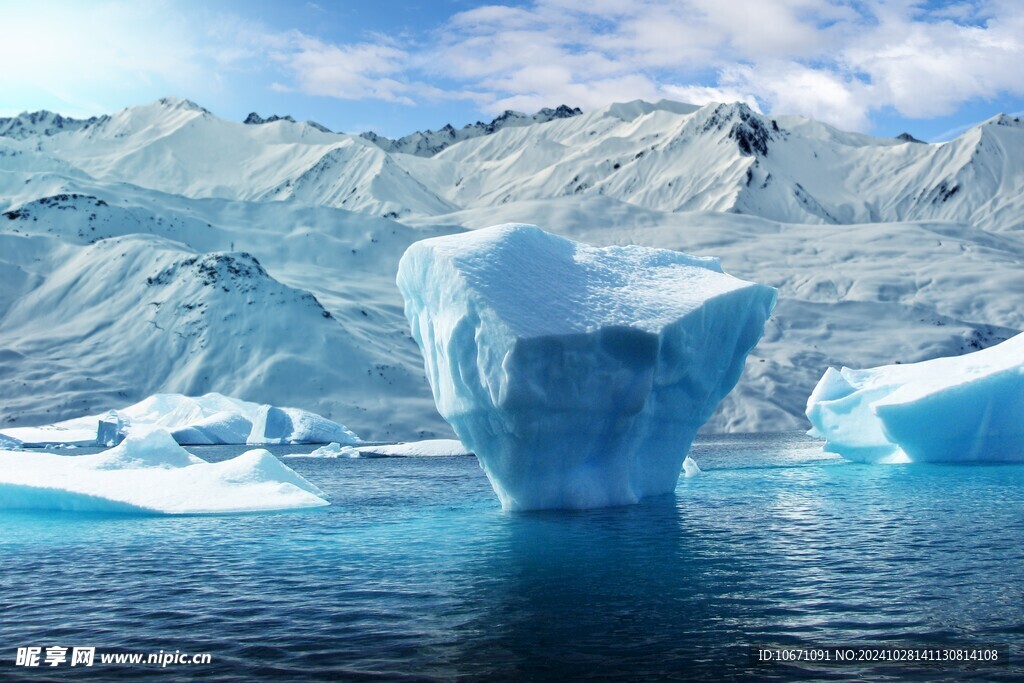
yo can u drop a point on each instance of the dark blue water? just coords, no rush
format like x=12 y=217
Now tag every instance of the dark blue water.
x=416 y=573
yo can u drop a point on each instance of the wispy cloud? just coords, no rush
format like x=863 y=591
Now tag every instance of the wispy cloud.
x=351 y=72
x=836 y=60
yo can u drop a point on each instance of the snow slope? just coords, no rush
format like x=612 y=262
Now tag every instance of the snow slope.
x=729 y=158
x=882 y=250
x=94 y=324
x=666 y=157
x=178 y=147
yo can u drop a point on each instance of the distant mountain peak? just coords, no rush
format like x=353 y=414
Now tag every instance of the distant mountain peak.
x=747 y=128
x=254 y=119
x=907 y=137
x=1005 y=120
x=429 y=142
x=181 y=103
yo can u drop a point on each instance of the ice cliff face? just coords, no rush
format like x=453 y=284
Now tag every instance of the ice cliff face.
x=578 y=375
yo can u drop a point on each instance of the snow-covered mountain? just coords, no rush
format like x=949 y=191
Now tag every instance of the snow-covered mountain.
x=666 y=157
x=427 y=143
x=165 y=249
x=729 y=158
x=113 y=293
x=42 y=123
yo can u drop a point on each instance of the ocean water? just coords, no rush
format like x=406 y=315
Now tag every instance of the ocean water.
x=415 y=573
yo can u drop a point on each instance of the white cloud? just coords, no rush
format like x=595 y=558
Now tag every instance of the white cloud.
x=929 y=68
x=703 y=94
x=818 y=58
x=351 y=72
x=787 y=87
x=834 y=60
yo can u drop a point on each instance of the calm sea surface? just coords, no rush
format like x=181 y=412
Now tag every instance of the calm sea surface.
x=415 y=573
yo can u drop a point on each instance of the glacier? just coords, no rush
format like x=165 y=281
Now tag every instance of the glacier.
x=211 y=419
x=578 y=375
x=967 y=408
x=149 y=473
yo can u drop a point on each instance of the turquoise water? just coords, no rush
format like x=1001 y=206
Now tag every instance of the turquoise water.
x=415 y=572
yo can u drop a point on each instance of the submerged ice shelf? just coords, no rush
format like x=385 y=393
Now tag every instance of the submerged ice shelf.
x=959 y=409
x=151 y=473
x=578 y=375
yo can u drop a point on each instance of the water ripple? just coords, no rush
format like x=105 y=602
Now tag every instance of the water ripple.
x=415 y=574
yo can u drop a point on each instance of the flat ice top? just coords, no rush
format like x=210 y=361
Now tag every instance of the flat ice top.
x=540 y=284
x=152 y=474
x=916 y=380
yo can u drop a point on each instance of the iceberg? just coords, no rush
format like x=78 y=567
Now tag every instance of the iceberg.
x=112 y=429
x=690 y=467
x=211 y=419
x=578 y=375
x=429 y=448
x=331 y=450
x=966 y=408
x=224 y=427
x=150 y=473
x=273 y=425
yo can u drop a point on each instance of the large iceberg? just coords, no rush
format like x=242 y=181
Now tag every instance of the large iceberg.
x=578 y=375
x=960 y=409
x=150 y=473
x=211 y=419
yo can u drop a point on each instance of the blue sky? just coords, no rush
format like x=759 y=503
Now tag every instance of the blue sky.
x=395 y=66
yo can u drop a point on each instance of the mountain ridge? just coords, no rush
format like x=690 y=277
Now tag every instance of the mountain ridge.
x=427 y=143
x=883 y=249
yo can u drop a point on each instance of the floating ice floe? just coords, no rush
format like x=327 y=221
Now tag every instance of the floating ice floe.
x=212 y=419
x=959 y=409
x=690 y=467
x=150 y=473
x=578 y=375
x=331 y=450
x=431 y=448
